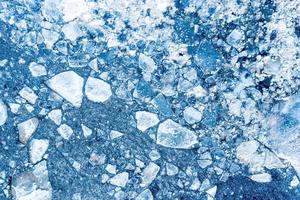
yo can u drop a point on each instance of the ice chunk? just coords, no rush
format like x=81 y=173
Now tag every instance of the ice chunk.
x=145 y=195
x=69 y=85
x=72 y=31
x=73 y=9
x=3 y=113
x=55 y=115
x=172 y=170
x=162 y=105
x=246 y=150
x=111 y=169
x=50 y=37
x=235 y=38
x=28 y=94
x=97 y=90
x=115 y=134
x=195 y=184
x=120 y=179
x=173 y=135
x=65 y=131
x=86 y=131
x=27 y=128
x=262 y=178
x=197 y=92
x=192 y=115
x=145 y=120
x=148 y=66
x=14 y=107
x=38 y=148
x=212 y=191
x=149 y=174
x=37 y=69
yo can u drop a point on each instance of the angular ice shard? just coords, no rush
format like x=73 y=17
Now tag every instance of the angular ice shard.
x=38 y=148
x=246 y=150
x=147 y=65
x=262 y=178
x=149 y=174
x=55 y=115
x=73 y=9
x=120 y=179
x=145 y=195
x=86 y=131
x=28 y=94
x=145 y=120
x=235 y=38
x=27 y=128
x=37 y=69
x=3 y=113
x=115 y=134
x=192 y=115
x=69 y=85
x=65 y=131
x=173 y=135
x=97 y=90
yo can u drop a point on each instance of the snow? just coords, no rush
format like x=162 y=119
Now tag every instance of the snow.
x=120 y=179
x=3 y=113
x=37 y=69
x=65 y=131
x=38 y=148
x=262 y=178
x=28 y=94
x=55 y=115
x=149 y=174
x=69 y=85
x=115 y=134
x=97 y=90
x=86 y=131
x=146 y=120
x=27 y=128
x=145 y=195
x=147 y=65
x=192 y=115
x=173 y=135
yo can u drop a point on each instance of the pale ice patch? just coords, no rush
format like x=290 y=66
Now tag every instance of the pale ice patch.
x=115 y=134
x=72 y=31
x=37 y=70
x=97 y=90
x=50 y=37
x=3 y=113
x=38 y=148
x=120 y=179
x=173 y=135
x=172 y=170
x=192 y=115
x=27 y=128
x=86 y=131
x=55 y=115
x=73 y=9
x=65 y=131
x=145 y=195
x=147 y=65
x=146 y=120
x=28 y=94
x=262 y=178
x=246 y=150
x=69 y=85
x=149 y=174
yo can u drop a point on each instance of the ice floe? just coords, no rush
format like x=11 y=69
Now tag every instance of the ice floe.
x=65 y=131
x=149 y=174
x=26 y=129
x=97 y=90
x=28 y=94
x=37 y=69
x=38 y=148
x=146 y=120
x=192 y=115
x=55 y=115
x=120 y=179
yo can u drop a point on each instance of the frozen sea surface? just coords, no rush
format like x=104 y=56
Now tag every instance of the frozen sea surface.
x=149 y=100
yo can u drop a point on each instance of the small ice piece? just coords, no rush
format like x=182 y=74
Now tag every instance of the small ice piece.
x=195 y=184
x=111 y=169
x=38 y=148
x=37 y=69
x=14 y=107
x=205 y=160
x=115 y=134
x=246 y=150
x=72 y=31
x=149 y=174
x=50 y=37
x=65 y=131
x=3 y=113
x=154 y=155
x=86 y=131
x=205 y=185
x=235 y=38
x=120 y=179
x=147 y=65
x=146 y=120
x=172 y=170
x=192 y=115
x=28 y=94
x=173 y=135
x=55 y=115
x=73 y=9
x=145 y=195
x=262 y=178
x=26 y=129
x=97 y=90
x=69 y=85
x=162 y=105
x=295 y=182
x=76 y=165
x=197 y=92
x=212 y=191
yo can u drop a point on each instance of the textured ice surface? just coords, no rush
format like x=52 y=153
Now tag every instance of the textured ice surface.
x=97 y=90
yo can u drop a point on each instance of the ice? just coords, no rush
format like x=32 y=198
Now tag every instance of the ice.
x=235 y=38
x=246 y=150
x=27 y=128
x=145 y=120
x=149 y=174
x=14 y=107
x=69 y=85
x=212 y=191
x=262 y=178
x=205 y=160
x=86 y=131
x=38 y=148
x=50 y=37
x=28 y=94
x=173 y=135
x=162 y=105
x=73 y=9
x=120 y=179
x=111 y=169
x=154 y=155
x=192 y=115
x=295 y=182
x=72 y=31
x=172 y=170
x=147 y=65
x=195 y=184
x=37 y=69
x=145 y=195
x=115 y=134
x=197 y=92
x=3 y=113
x=97 y=90
x=65 y=131
x=55 y=115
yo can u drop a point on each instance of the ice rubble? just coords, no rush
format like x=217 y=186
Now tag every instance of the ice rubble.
x=145 y=195
x=28 y=94
x=97 y=90
x=37 y=70
x=120 y=179
x=65 y=131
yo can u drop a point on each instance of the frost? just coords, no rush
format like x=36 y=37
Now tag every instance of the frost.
x=97 y=90
x=120 y=179
x=145 y=195
x=65 y=131
x=27 y=128
x=115 y=134
x=38 y=148
x=147 y=65
x=192 y=115
x=3 y=113
x=173 y=135
x=86 y=131
x=146 y=120
x=149 y=174
x=69 y=85
x=28 y=94
x=55 y=116
x=37 y=69
x=262 y=178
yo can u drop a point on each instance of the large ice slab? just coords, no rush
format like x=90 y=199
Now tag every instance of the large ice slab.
x=173 y=135
x=145 y=120
x=69 y=85
x=27 y=128
x=3 y=113
x=97 y=90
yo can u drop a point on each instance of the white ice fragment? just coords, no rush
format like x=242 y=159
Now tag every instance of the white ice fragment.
x=97 y=90
x=86 y=131
x=38 y=148
x=262 y=178
x=173 y=135
x=76 y=165
x=154 y=155
x=28 y=94
x=149 y=174
x=3 y=113
x=50 y=37
x=65 y=131
x=37 y=69
x=145 y=120
x=195 y=184
x=145 y=195
x=235 y=38
x=197 y=92
x=192 y=115
x=72 y=31
x=76 y=196
x=14 y=107
x=212 y=191
x=205 y=160
x=147 y=65
x=69 y=85
x=205 y=185
x=115 y=134
x=235 y=107
x=295 y=182
x=27 y=128
x=55 y=115
x=111 y=169
x=120 y=179
x=246 y=150
x=73 y=9
x=172 y=170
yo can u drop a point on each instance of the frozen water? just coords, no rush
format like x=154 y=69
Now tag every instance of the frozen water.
x=120 y=179
x=3 y=113
x=38 y=148
x=26 y=129
x=65 y=131
x=28 y=94
x=86 y=130
x=146 y=120
x=97 y=90
x=37 y=69
x=55 y=116
x=192 y=115
x=145 y=195
x=149 y=174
